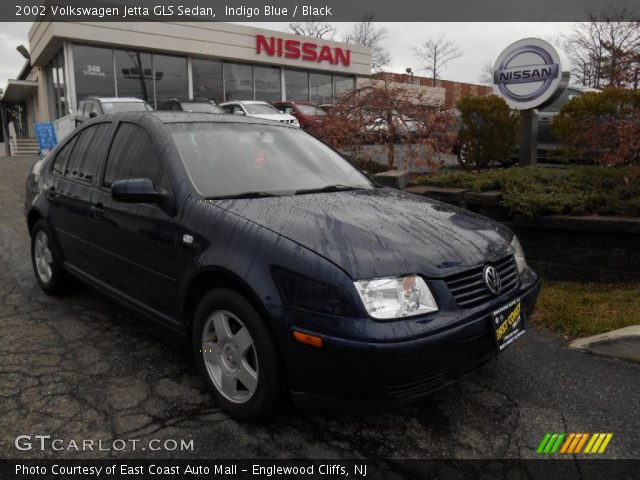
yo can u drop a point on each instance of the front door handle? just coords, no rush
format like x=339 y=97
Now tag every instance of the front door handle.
x=97 y=210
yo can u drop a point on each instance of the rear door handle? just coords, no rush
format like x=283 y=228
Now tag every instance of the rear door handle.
x=50 y=192
x=97 y=210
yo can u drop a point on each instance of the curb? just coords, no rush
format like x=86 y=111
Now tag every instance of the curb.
x=623 y=343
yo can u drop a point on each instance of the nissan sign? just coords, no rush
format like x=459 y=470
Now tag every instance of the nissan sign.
x=530 y=73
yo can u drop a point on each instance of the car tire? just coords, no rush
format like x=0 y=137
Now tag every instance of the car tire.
x=46 y=261
x=236 y=356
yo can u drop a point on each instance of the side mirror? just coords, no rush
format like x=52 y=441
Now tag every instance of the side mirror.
x=93 y=114
x=135 y=190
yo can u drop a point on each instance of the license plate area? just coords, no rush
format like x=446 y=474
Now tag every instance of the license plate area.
x=508 y=323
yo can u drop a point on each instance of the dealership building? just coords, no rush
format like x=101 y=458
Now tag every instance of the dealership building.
x=69 y=61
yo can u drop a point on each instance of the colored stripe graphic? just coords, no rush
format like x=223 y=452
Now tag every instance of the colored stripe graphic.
x=572 y=443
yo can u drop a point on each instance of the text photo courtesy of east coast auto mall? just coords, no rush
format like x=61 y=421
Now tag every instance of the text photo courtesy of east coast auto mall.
x=320 y=239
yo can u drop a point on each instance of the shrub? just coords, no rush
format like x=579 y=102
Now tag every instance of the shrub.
x=602 y=126
x=534 y=191
x=383 y=112
x=488 y=131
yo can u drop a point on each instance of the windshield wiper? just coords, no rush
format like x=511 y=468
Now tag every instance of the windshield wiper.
x=327 y=188
x=243 y=195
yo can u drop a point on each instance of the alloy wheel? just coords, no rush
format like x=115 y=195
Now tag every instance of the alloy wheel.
x=230 y=356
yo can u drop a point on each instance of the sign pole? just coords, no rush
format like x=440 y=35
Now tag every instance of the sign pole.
x=528 y=137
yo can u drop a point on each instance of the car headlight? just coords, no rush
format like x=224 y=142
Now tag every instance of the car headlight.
x=396 y=297
x=518 y=254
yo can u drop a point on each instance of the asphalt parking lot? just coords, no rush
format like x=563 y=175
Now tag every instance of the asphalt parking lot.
x=81 y=367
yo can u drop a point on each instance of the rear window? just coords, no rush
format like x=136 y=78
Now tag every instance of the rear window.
x=115 y=107
x=203 y=107
x=89 y=150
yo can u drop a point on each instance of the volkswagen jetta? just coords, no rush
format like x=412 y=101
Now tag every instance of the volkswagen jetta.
x=284 y=267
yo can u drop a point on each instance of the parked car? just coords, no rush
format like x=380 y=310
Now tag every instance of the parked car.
x=198 y=105
x=279 y=262
x=308 y=114
x=91 y=107
x=258 y=109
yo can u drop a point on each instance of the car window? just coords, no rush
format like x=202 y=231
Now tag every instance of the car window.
x=200 y=107
x=89 y=149
x=114 y=107
x=260 y=109
x=133 y=155
x=288 y=110
x=567 y=95
x=311 y=110
x=81 y=108
x=261 y=158
x=229 y=108
x=62 y=157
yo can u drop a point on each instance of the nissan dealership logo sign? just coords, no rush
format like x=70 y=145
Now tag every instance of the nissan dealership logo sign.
x=530 y=73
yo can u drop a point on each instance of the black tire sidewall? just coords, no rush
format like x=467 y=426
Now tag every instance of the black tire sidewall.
x=57 y=282
x=264 y=400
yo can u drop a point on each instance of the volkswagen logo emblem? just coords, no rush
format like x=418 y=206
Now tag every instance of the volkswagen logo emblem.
x=491 y=279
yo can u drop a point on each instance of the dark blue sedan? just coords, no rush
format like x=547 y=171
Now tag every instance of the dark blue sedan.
x=283 y=266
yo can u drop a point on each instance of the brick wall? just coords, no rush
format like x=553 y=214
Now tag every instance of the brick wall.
x=454 y=91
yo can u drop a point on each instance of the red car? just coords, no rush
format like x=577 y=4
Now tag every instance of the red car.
x=307 y=113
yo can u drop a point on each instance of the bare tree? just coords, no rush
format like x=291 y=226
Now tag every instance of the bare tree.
x=604 y=51
x=367 y=34
x=436 y=55
x=313 y=29
x=486 y=74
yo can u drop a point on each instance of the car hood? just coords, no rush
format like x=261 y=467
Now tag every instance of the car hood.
x=380 y=232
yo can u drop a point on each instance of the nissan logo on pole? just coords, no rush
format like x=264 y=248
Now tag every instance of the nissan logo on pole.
x=529 y=74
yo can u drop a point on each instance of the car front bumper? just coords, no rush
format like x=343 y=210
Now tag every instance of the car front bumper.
x=352 y=372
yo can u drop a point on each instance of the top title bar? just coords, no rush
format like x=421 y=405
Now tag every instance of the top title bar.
x=314 y=10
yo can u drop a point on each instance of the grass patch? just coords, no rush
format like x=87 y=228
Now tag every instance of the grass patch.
x=537 y=191
x=584 y=309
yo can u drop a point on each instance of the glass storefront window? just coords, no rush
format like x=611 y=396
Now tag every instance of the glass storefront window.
x=320 y=84
x=238 y=81
x=56 y=84
x=134 y=75
x=171 y=77
x=93 y=71
x=207 y=79
x=297 y=85
x=267 y=83
x=341 y=85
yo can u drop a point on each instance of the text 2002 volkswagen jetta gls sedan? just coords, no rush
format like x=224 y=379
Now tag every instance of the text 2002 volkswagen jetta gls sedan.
x=284 y=266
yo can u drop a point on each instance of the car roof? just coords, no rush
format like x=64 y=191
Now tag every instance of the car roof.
x=114 y=99
x=187 y=117
x=247 y=102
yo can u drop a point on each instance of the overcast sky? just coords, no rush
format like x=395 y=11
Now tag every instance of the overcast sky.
x=479 y=42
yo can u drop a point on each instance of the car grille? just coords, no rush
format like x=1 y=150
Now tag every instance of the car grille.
x=469 y=290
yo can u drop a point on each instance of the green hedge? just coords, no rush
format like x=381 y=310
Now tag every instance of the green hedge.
x=534 y=191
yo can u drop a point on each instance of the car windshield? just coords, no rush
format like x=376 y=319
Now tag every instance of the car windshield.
x=203 y=107
x=115 y=107
x=233 y=159
x=311 y=110
x=260 y=109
